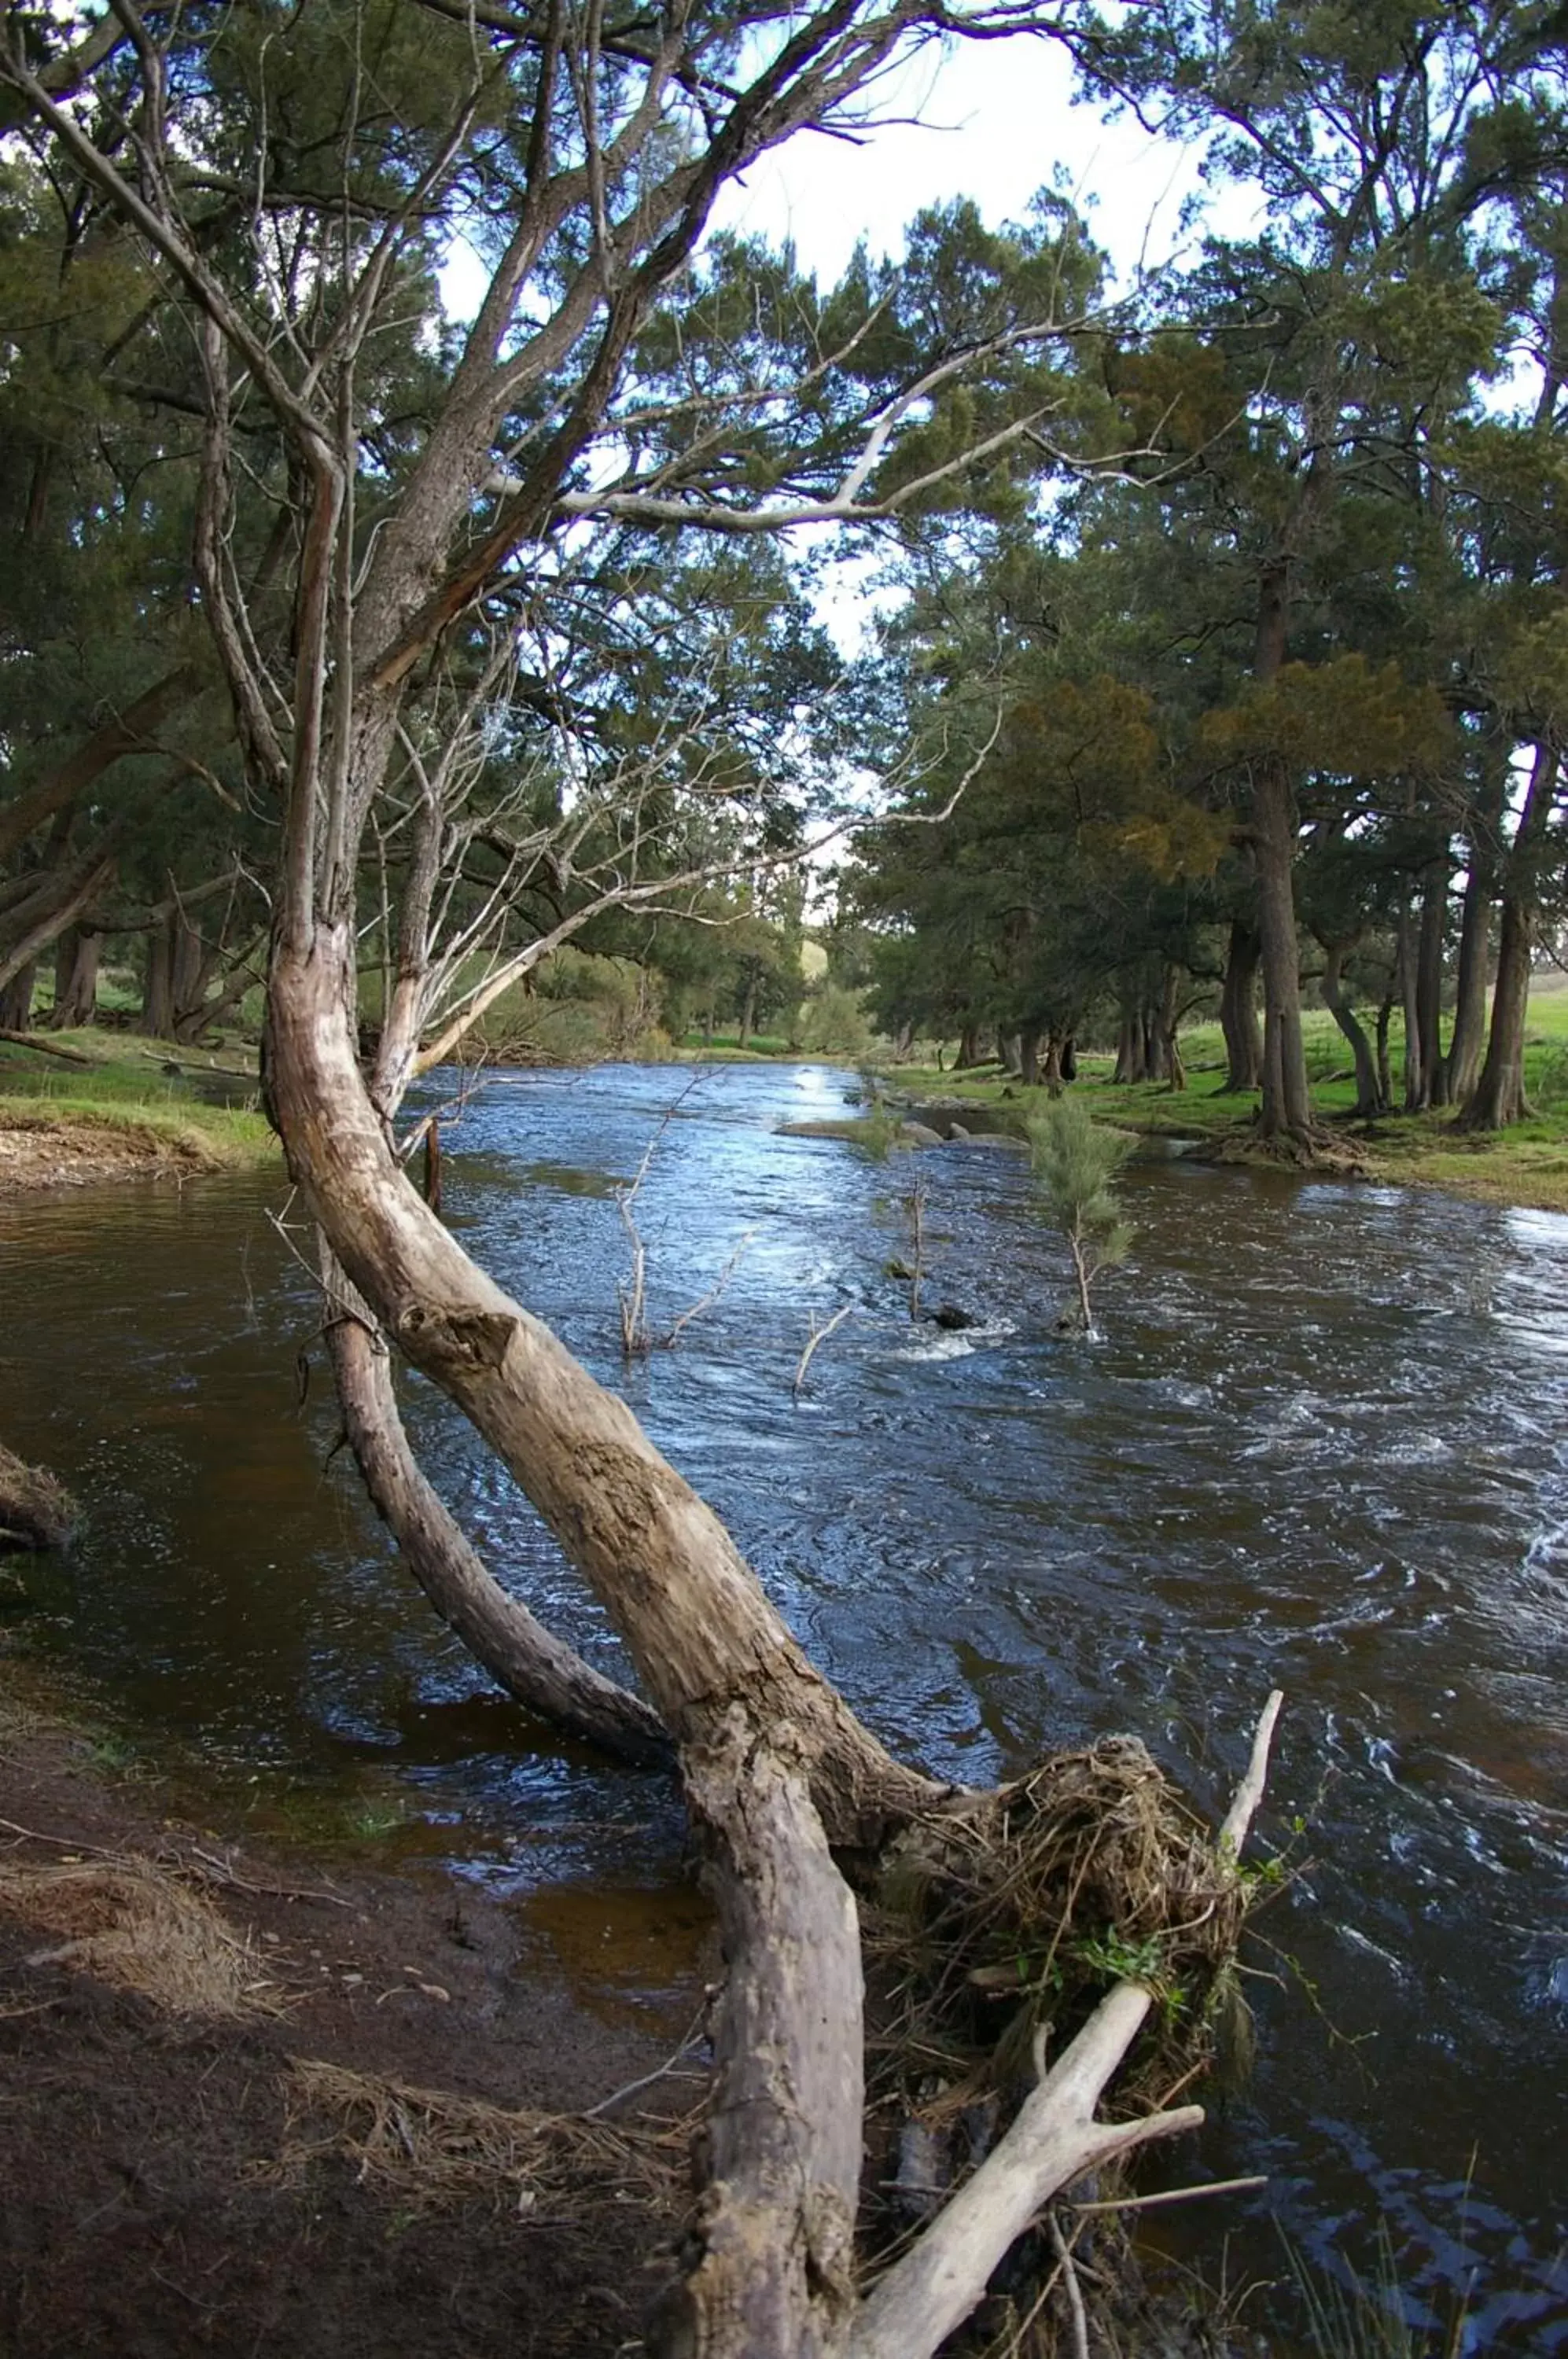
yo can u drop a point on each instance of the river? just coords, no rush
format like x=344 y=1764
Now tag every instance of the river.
x=1321 y=1443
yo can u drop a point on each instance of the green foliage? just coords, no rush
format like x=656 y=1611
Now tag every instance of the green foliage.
x=832 y=1022
x=1074 y=1162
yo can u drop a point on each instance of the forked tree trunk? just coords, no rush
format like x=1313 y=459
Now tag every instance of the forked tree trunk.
x=703 y=1636
x=544 y=1675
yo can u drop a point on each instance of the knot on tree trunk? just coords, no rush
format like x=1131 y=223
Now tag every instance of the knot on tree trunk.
x=451 y=1342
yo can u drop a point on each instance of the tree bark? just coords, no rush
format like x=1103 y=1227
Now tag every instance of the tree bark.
x=1499 y=1097
x=1468 y=1043
x=1286 y=1112
x=17 y=999
x=1370 y=1101
x=1238 y=1009
x=545 y=1676
x=776 y=2274
x=1429 y=981
x=76 y=959
x=1029 y=1056
x=157 y=1018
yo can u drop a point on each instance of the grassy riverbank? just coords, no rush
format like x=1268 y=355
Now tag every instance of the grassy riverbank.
x=95 y=1105
x=1527 y=1165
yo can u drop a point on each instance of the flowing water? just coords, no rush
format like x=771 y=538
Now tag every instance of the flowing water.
x=1321 y=1443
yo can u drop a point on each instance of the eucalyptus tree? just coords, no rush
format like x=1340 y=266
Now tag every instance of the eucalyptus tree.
x=291 y=177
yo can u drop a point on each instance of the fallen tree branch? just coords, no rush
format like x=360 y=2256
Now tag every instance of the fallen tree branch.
x=45 y=1047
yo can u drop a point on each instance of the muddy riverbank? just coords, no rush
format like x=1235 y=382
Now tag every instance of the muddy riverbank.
x=184 y=2181
x=1319 y=1445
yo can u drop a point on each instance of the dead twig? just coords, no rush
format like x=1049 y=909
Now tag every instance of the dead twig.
x=818 y=1335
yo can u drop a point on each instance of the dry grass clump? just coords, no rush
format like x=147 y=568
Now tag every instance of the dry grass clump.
x=429 y=2145
x=35 y=1511
x=138 y=1926
x=992 y=1923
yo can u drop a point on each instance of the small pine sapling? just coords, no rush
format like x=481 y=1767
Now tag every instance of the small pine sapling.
x=1074 y=1162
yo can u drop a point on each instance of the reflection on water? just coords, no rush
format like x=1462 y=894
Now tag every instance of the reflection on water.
x=1322 y=1444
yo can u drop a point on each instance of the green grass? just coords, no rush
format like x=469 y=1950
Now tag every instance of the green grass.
x=1526 y=1165
x=124 y=1088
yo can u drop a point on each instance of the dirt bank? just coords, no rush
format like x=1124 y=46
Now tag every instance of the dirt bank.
x=48 y=1151
x=176 y=2185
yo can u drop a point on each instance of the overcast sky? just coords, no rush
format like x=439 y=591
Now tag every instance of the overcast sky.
x=991 y=120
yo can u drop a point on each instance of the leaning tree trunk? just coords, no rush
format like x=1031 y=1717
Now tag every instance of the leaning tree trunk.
x=544 y=1675
x=1370 y=1101
x=704 y=1638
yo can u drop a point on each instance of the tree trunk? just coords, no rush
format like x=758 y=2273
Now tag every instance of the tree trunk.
x=1029 y=1056
x=1238 y=1009
x=1465 y=1049
x=158 y=990
x=128 y=732
x=968 y=1049
x=1286 y=1112
x=1384 y=1019
x=1499 y=1097
x=747 y=1014
x=1369 y=1098
x=703 y=1634
x=1129 y=1068
x=1429 y=981
x=1405 y=939
x=76 y=961
x=544 y=1675
x=17 y=999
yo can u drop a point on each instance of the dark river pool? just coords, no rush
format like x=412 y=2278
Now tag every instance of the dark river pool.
x=1321 y=1444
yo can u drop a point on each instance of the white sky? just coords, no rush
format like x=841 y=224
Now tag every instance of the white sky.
x=992 y=119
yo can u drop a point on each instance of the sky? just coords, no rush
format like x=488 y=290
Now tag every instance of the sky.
x=992 y=119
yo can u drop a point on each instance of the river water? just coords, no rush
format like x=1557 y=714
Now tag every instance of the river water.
x=1321 y=1443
